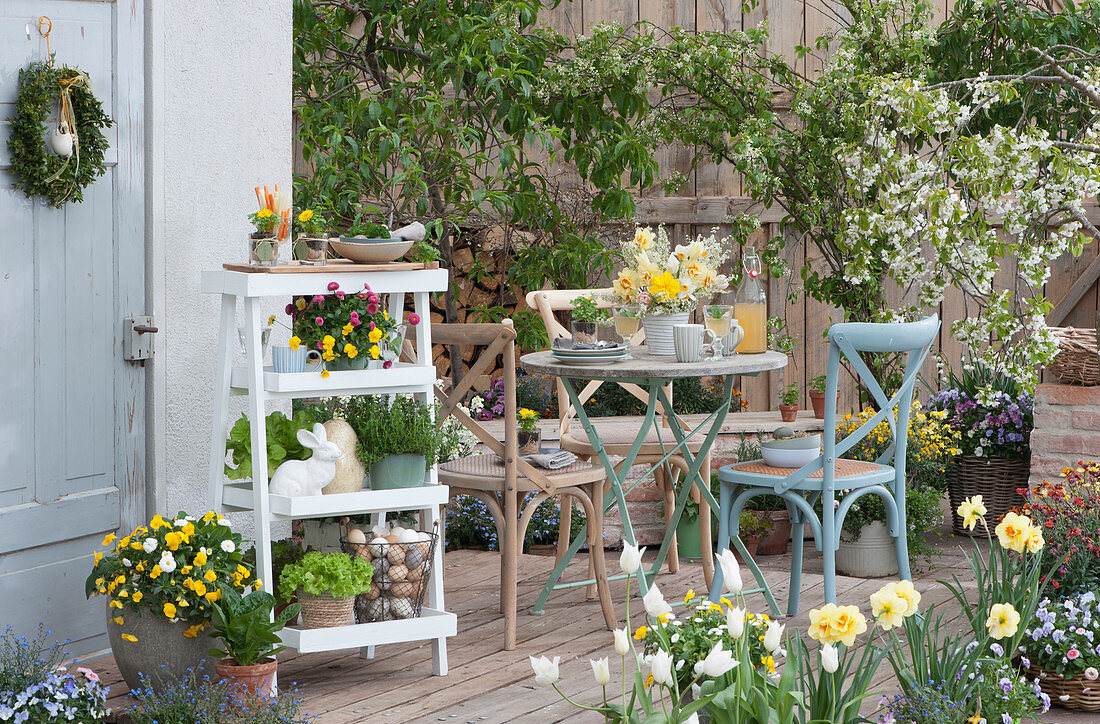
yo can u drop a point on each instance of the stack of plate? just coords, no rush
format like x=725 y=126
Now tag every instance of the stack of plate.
x=591 y=356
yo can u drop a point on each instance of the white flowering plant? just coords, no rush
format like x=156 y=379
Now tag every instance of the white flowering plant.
x=1064 y=636
x=173 y=567
x=660 y=278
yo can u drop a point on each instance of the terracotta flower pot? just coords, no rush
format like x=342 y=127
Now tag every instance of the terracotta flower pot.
x=751 y=545
x=775 y=542
x=817 y=399
x=788 y=413
x=248 y=681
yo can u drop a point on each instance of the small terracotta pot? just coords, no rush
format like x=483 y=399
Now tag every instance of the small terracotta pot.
x=817 y=399
x=775 y=542
x=247 y=681
x=751 y=544
x=788 y=413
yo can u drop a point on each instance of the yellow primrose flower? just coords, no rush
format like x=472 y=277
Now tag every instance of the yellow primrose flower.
x=305 y=216
x=129 y=637
x=1003 y=621
x=375 y=353
x=350 y=350
x=109 y=539
x=346 y=329
x=294 y=342
x=169 y=610
x=374 y=335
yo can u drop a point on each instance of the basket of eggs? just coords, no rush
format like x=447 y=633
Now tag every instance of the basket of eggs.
x=402 y=561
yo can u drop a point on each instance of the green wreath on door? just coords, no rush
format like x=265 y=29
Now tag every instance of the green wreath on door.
x=57 y=102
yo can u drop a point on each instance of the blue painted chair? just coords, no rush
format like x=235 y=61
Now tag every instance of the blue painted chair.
x=830 y=471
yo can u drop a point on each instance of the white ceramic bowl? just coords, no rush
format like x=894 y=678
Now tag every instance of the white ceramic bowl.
x=376 y=252
x=791 y=452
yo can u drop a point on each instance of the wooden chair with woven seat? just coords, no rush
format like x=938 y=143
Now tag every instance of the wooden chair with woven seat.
x=617 y=440
x=822 y=477
x=501 y=478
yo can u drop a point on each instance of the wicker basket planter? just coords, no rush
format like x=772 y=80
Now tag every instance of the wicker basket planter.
x=1077 y=361
x=325 y=611
x=995 y=479
x=1082 y=694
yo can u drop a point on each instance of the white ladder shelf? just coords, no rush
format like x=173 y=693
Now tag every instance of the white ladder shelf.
x=261 y=385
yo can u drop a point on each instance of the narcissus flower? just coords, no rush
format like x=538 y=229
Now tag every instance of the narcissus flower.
x=1003 y=621
x=971 y=510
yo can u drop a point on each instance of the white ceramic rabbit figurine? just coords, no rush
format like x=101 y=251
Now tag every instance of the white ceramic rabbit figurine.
x=296 y=478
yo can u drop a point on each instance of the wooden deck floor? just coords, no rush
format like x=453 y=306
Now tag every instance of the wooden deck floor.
x=490 y=685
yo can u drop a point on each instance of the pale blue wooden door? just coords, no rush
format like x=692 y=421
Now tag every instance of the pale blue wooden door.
x=72 y=429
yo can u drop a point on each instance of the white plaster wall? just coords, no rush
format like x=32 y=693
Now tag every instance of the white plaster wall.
x=219 y=124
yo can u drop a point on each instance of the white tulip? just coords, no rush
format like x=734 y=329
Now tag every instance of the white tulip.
x=773 y=636
x=830 y=658
x=654 y=602
x=731 y=572
x=718 y=661
x=693 y=719
x=661 y=667
x=735 y=622
x=546 y=671
x=600 y=671
x=630 y=560
x=622 y=641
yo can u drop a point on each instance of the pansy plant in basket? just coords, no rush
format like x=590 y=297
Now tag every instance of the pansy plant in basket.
x=991 y=412
x=173 y=567
x=1064 y=637
x=343 y=325
x=662 y=279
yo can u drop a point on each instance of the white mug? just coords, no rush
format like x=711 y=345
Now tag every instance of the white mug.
x=689 y=341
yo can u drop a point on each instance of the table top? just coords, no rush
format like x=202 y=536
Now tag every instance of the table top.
x=644 y=365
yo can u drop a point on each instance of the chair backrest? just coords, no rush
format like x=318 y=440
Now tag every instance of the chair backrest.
x=499 y=342
x=846 y=342
x=548 y=301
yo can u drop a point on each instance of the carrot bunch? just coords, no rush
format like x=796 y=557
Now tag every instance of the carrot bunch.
x=279 y=203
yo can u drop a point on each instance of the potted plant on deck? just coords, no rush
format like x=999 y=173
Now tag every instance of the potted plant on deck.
x=397 y=441
x=788 y=403
x=528 y=436
x=326 y=585
x=248 y=629
x=992 y=413
x=817 y=396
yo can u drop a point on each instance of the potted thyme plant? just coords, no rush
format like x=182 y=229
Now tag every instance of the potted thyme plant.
x=817 y=396
x=397 y=442
x=249 y=637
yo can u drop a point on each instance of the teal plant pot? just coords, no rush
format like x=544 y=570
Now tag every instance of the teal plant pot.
x=398 y=471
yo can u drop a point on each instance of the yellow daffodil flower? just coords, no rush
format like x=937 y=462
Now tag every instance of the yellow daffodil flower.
x=971 y=510
x=1003 y=621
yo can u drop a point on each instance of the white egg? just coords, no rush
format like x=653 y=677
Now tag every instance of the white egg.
x=396 y=553
x=356 y=536
x=408 y=536
x=378 y=547
x=398 y=572
x=401 y=607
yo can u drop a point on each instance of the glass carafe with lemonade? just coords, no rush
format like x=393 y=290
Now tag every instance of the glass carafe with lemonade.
x=750 y=306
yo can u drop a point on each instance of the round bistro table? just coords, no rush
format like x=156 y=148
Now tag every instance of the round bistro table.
x=653 y=373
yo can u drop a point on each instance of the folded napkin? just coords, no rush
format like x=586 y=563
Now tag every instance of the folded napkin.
x=552 y=458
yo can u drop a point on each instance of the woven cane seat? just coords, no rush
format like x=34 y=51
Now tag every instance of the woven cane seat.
x=618 y=438
x=486 y=472
x=844 y=469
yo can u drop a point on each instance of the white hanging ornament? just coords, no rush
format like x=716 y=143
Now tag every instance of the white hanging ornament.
x=61 y=140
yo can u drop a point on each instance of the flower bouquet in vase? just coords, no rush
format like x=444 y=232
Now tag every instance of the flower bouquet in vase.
x=666 y=283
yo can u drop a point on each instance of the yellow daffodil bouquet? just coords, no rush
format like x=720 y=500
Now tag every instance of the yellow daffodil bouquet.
x=348 y=328
x=662 y=279
x=173 y=567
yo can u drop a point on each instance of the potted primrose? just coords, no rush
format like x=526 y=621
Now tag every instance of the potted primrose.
x=397 y=442
x=248 y=631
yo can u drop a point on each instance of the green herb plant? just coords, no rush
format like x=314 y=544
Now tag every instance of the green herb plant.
x=789 y=395
x=368 y=229
x=585 y=310
x=282 y=443
x=336 y=574
x=247 y=627
x=817 y=384
x=404 y=428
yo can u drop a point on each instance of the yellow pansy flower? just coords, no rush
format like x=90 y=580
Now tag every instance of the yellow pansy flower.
x=169 y=610
x=109 y=539
x=328 y=341
x=156 y=571
x=214 y=596
x=97 y=557
x=351 y=350
x=129 y=637
x=157 y=522
x=210 y=576
x=138 y=595
x=210 y=514
x=199 y=588
x=328 y=355
x=689 y=595
x=115 y=604
x=347 y=329
x=173 y=540
x=374 y=335
x=300 y=303
x=294 y=342
x=271 y=320
x=200 y=559
x=123 y=593
x=117 y=620
x=640 y=633
x=375 y=353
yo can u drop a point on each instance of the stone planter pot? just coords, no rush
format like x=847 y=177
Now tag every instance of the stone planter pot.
x=775 y=542
x=788 y=413
x=161 y=651
x=658 y=331
x=871 y=556
x=397 y=471
x=528 y=443
x=247 y=682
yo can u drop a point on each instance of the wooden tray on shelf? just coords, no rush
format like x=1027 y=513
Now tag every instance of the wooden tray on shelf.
x=333 y=266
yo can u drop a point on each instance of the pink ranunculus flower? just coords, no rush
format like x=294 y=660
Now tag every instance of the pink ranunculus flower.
x=333 y=286
x=319 y=321
x=414 y=319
